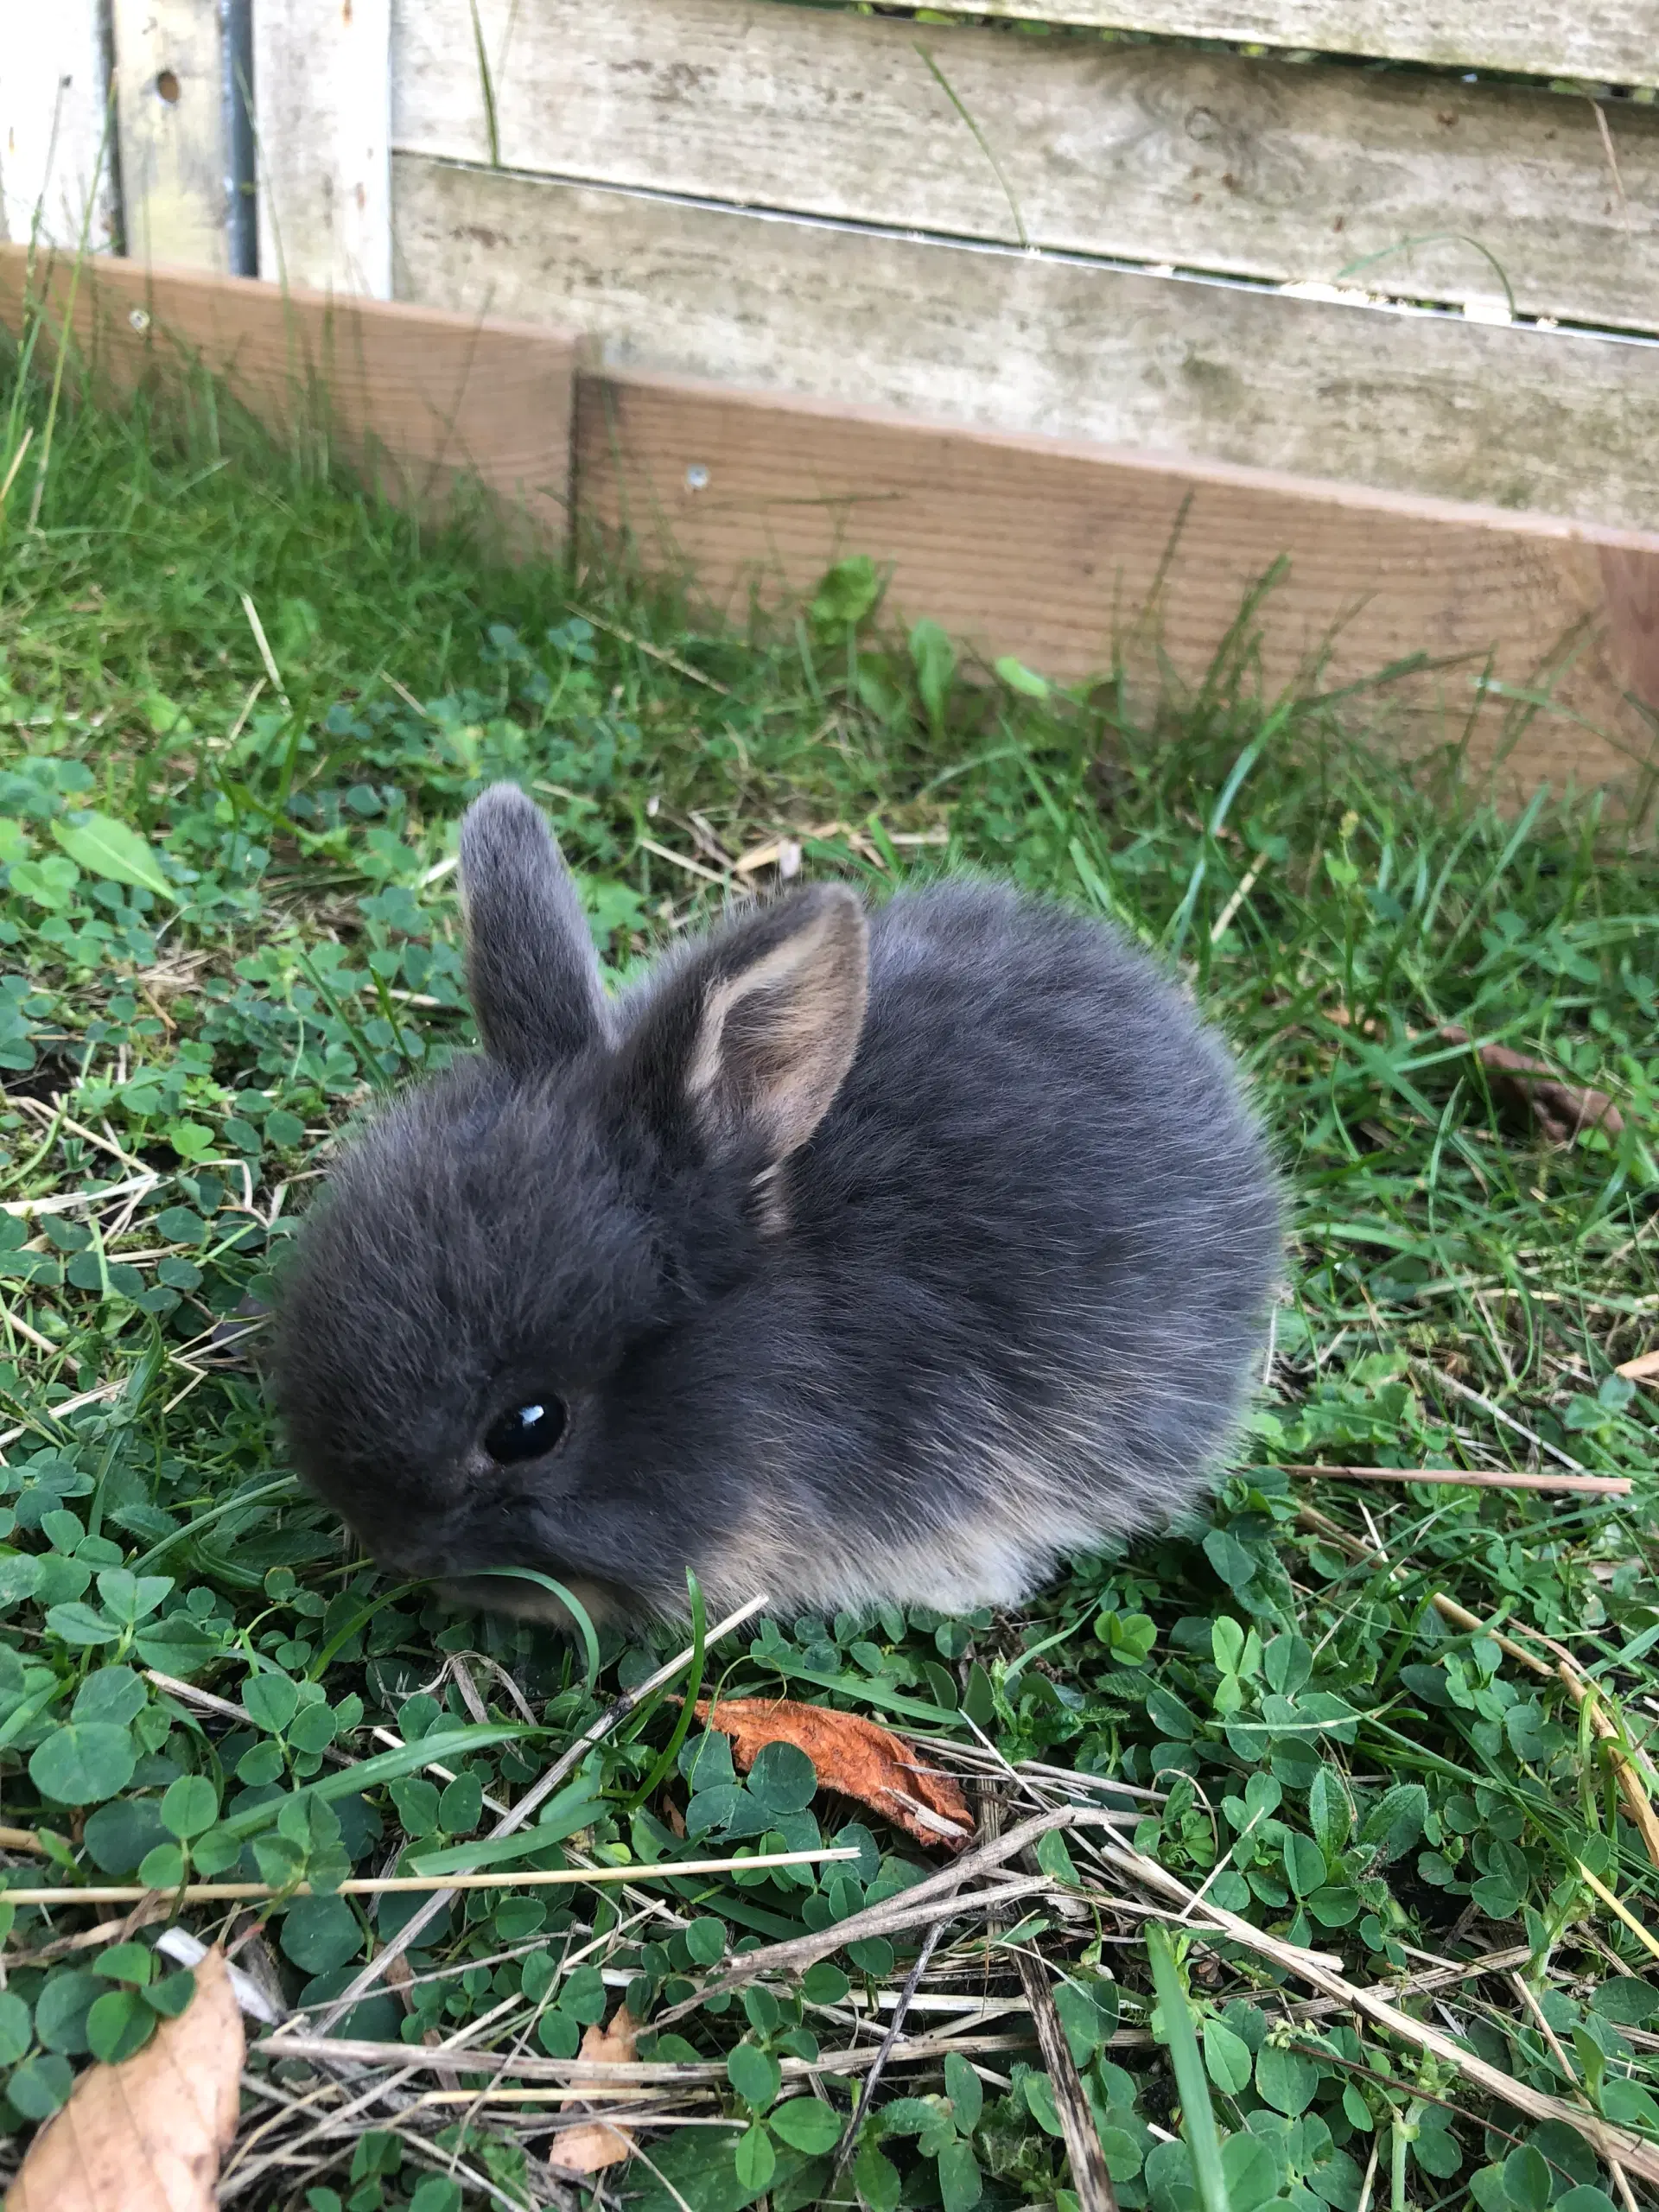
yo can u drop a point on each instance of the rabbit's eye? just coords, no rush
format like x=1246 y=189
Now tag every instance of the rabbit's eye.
x=525 y=1433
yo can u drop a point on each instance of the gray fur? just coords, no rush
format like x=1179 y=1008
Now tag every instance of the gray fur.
x=873 y=1258
x=519 y=895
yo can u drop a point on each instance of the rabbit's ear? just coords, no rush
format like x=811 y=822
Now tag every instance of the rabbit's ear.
x=532 y=973
x=755 y=1037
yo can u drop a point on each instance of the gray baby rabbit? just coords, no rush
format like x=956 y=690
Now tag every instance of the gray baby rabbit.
x=850 y=1256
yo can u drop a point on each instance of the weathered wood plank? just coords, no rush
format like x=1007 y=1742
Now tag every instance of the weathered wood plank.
x=1207 y=161
x=175 y=154
x=1025 y=342
x=422 y=400
x=324 y=92
x=1609 y=41
x=1051 y=551
x=55 y=146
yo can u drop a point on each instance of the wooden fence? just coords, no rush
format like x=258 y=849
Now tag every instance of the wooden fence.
x=1231 y=234
x=1051 y=234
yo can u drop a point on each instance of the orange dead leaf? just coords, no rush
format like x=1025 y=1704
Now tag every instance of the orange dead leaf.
x=598 y=2143
x=147 y=2135
x=854 y=1758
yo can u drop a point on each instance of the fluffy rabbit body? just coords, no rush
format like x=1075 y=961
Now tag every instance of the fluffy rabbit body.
x=848 y=1257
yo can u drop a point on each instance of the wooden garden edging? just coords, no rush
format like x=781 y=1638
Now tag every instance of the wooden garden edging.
x=1065 y=554
x=421 y=400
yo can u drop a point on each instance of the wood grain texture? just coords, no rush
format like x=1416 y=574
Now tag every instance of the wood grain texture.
x=54 y=157
x=176 y=157
x=1616 y=41
x=323 y=79
x=424 y=402
x=1050 y=551
x=1516 y=417
x=1208 y=161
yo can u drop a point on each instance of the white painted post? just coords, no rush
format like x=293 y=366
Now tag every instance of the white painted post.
x=322 y=101
x=176 y=151
x=56 y=151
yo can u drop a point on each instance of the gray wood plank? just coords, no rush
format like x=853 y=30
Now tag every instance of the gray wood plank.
x=1514 y=417
x=323 y=74
x=173 y=131
x=1207 y=161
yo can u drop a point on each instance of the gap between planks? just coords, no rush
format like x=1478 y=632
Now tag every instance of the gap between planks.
x=1604 y=39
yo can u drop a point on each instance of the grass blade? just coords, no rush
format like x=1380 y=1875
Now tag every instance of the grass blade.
x=1197 y=2115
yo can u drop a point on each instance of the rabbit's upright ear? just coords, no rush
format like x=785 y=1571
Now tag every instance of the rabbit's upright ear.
x=752 y=1039
x=531 y=970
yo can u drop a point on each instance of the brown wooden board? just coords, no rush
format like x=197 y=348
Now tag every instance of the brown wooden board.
x=422 y=400
x=1070 y=556
x=1156 y=154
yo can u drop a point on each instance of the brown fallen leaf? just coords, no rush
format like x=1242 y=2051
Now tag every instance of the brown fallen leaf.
x=852 y=1756
x=147 y=2135
x=599 y=2143
x=1562 y=1110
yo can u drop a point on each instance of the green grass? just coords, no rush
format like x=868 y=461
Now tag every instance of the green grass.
x=1335 y=1760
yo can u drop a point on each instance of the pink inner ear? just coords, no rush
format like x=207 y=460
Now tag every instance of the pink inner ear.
x=776 y=1038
